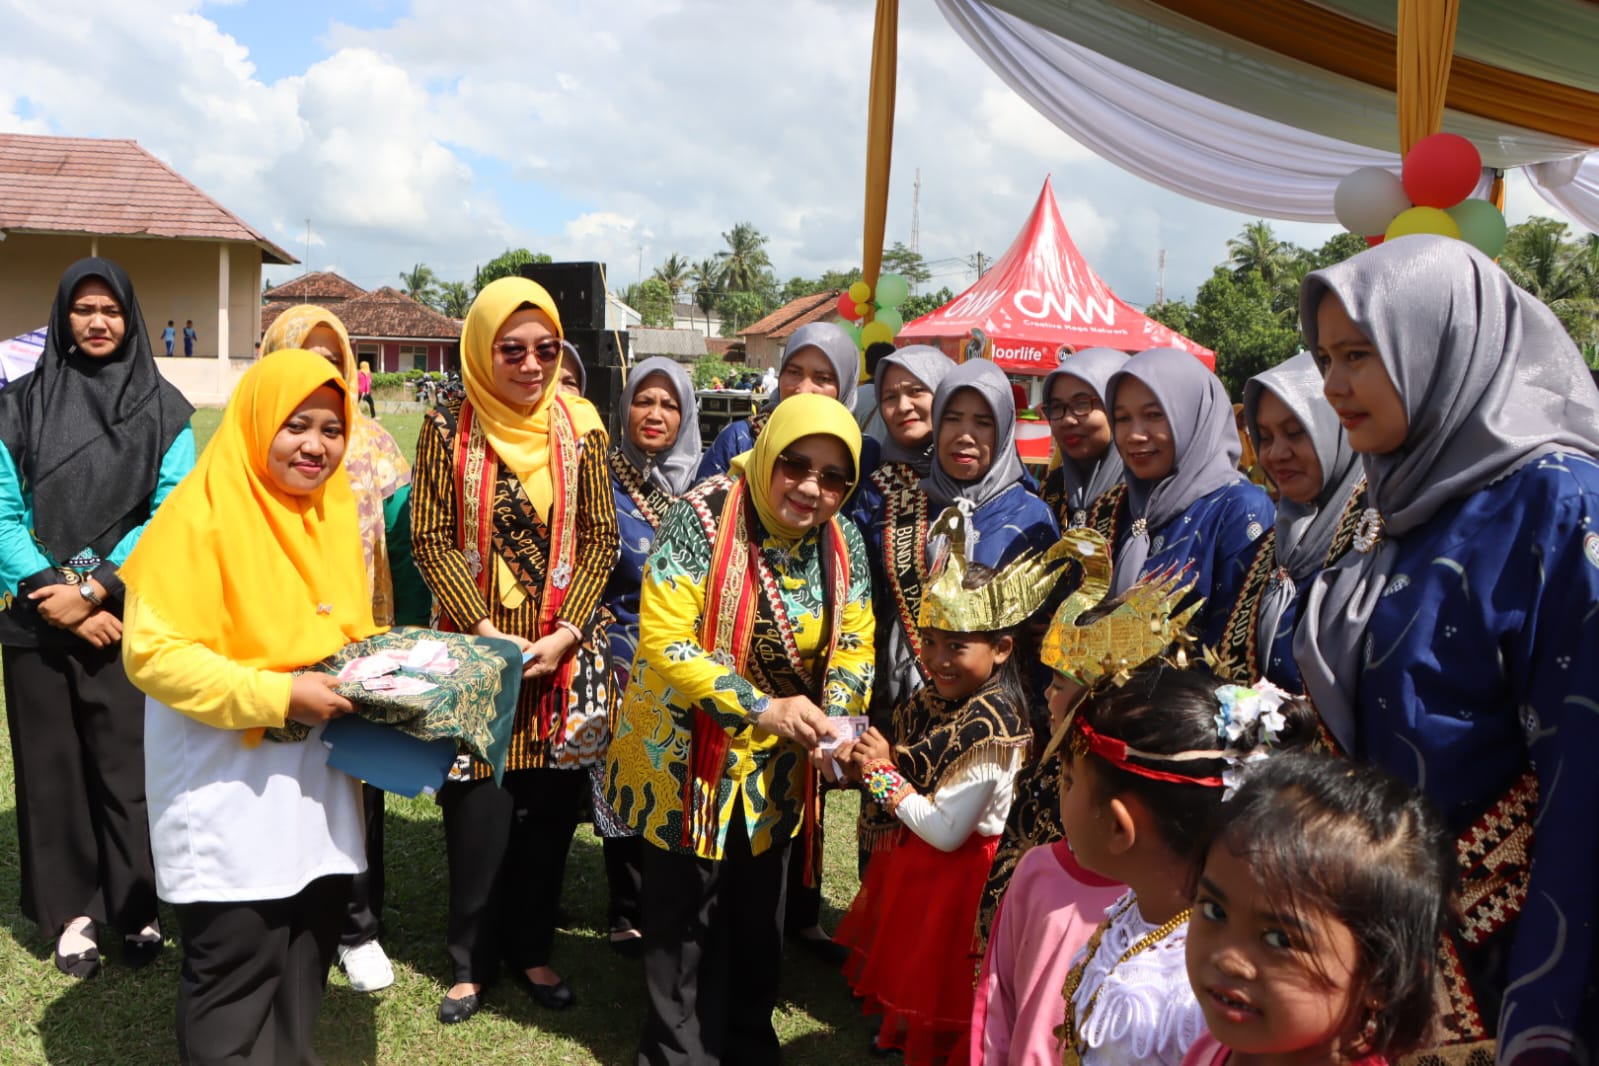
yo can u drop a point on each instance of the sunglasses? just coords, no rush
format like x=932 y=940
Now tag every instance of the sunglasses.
x=514 y=352
x=798 y=470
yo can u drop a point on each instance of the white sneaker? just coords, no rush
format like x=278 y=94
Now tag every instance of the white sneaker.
x=367 y=967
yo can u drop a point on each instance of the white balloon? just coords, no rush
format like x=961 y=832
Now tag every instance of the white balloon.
x=1368 y=199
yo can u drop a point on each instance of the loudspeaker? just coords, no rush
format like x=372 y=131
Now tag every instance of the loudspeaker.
x=604 y=354
x=577 y=288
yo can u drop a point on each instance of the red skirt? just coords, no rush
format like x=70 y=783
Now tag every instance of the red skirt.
x=912 y=935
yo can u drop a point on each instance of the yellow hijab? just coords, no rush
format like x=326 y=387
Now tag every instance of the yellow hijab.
x=290 y=329
x=520 y=436
x=269 y=580
x=805 y=415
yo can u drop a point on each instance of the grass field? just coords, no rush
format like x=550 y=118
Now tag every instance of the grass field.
x=123 y=1018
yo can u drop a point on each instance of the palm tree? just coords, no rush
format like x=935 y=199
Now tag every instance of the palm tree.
x=675 y=272
x=706 y=279
x=745 y=263
x=421 y=284
x=1563 y=274
x=455 y=298
x=1257 y=249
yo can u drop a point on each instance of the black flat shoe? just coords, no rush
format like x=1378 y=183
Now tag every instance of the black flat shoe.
x=625 y=939
x=558 y=996
x=139 y=952
x=83 y=965
x=824 y=949
x=453 y=1011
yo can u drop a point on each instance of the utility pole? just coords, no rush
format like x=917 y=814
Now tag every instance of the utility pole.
x=916 y=212
x=1160 y=278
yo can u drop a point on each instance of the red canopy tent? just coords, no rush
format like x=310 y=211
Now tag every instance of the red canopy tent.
x=1040 y=302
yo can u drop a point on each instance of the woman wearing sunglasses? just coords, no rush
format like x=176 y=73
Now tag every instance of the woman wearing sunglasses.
x=514 y=531
x=755 y=626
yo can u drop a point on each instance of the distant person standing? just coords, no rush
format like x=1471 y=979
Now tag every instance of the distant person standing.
x=170 y=334
x=363 y=389
x=189 y=337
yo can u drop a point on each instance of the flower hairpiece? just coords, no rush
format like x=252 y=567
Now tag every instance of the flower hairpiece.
x=1250 y=719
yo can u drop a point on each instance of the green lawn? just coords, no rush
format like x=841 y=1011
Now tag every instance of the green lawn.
x=126 y=1018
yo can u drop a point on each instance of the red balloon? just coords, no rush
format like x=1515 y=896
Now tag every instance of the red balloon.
x=846 y=307
x=1441 y=170
x=1372 y=242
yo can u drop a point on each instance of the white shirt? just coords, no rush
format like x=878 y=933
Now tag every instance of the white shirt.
x=976 y=800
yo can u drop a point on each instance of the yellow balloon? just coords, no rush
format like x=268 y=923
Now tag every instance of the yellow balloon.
x=859 y=292
x=1422 y=220
x=875 y=332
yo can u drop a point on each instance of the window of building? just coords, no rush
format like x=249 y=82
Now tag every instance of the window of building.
x=414 y=356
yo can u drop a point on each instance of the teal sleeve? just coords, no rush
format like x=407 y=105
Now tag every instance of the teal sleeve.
x=175 y=466
x=20 y=556
x=413 y=602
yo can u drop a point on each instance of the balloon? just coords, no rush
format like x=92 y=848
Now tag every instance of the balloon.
x=847 y=306
x=1372 y=242
x=1422 y=220
x=1482 y=225
x=1441 y=170
x=861 y=309
x=876 y=332
x=854 y=331
x=892 y=290
x=1368 y=199
x=890 y=317
x=860 y=292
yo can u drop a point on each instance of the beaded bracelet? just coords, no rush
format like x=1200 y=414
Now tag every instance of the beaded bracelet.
x=886 y=785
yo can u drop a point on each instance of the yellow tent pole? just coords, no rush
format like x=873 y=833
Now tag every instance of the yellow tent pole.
x=1425 y=46
x=1496 y=192
x=879 y=140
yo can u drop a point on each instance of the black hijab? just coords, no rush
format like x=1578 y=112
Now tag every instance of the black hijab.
x=87 y=435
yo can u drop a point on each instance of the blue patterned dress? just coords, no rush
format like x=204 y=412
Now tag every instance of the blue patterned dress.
x=1213 y=538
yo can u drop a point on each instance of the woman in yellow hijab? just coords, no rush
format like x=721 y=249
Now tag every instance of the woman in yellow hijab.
x=250 y=571
x=514 y=530
x=381 y=478
x=755 y=627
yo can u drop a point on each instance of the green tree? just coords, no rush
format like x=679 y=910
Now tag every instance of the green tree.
x=746 y=267
x=1339 y=247
x=1175 y=314
x=706 y=279
x=1563 y=274
x=455 y=298
x=837 y=279
x=918 y=305
x=421 y=284
x=505 y=265
x=907 y=264
x=1235 y=318
x=652 y=299
x=1256 y=249
x=739 y=309
x=675 y=272
x=708 y=368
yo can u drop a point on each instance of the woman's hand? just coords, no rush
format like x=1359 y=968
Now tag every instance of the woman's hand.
x=63 y=606
x=795 y=718
x=870 y=747
x=486 y=628
x=312 y=699
x=548 y=652
x=101 y=629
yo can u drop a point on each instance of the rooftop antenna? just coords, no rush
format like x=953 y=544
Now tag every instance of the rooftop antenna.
x=1160 y=278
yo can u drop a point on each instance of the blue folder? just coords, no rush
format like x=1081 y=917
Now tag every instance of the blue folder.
x=386 y=758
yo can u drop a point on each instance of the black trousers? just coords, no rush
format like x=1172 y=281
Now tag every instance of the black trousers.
x=507 y=849
x=365 y=400
x=803 y=909
x=624 y=878
x=77 y=743
x=254 y=974
x=713 y=950
x=363 y=920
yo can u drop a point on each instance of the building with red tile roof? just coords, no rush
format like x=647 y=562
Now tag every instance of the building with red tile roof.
x=764 y=340
x=389 y=330
x=320 y=287
x=63 y=198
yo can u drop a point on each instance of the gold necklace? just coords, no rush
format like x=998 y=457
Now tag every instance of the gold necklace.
x=1071 y=1053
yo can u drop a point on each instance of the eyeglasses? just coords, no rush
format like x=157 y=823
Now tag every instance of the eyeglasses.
x=798 y=470
x=547 y=350
x=1081 y=407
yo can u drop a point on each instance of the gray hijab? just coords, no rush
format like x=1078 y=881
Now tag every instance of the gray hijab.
x=671 y=470
x=929 y=366
x=570 y=357
x=834 y=343
x=1489 y=380
x=989 y=382
x=1085 y=484
x=1204 y=440
x=1304 y=531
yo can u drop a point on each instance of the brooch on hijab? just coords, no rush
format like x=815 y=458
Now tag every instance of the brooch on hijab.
x=1079 y=519
x=324 y=608
x=1140 y=527
x=1369 y=531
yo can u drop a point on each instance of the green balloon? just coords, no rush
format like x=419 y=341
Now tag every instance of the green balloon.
x=890 y=317
x=1482 y=225
x=854 y=331
x=892 y=290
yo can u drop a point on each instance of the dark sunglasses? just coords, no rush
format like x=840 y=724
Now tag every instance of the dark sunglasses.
x=798 y=470
x=545 y=351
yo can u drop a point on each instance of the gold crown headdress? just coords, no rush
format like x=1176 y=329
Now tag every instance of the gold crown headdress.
x=1091 y=640
x=1008 y=598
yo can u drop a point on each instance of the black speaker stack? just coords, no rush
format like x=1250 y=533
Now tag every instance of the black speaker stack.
x=578 y=290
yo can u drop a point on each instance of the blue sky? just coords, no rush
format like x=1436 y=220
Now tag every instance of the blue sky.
x=444 y=131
